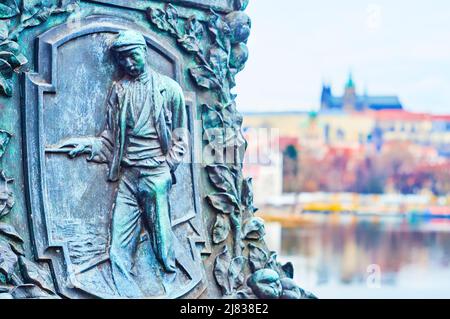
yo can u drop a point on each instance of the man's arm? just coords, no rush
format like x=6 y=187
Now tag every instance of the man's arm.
x=100 y=147
x=180 y=134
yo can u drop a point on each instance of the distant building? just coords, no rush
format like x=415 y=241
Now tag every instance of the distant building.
x=353 y=102
x=354 y=129
x=345 y=147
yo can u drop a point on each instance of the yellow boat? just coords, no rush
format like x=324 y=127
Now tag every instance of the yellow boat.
x=287 y=220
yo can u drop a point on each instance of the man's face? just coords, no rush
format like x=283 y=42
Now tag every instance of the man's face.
x=133 y=61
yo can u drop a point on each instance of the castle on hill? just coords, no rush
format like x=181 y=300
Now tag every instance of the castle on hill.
x=353 y=102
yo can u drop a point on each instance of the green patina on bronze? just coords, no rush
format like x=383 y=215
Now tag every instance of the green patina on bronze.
x=212 y=42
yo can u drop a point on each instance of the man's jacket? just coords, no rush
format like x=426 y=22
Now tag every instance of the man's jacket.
x=170 y=119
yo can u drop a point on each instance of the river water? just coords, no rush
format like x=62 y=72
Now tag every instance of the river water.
x=354 y=257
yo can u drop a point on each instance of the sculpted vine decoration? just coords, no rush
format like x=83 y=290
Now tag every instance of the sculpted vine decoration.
x=14 y=18
x=220 y=52
x=19 y=277
x=219 y=56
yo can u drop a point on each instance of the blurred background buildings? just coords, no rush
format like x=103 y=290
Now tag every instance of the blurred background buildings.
x=354 y=144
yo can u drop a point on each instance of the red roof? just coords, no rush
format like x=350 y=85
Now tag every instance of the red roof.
x=445 y=118
x=402 y=115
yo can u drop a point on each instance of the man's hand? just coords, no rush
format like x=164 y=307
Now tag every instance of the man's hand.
x=81 y=145
x=78 y=150
x=98 y=148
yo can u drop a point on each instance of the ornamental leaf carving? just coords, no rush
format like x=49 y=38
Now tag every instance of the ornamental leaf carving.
x=27 y=279
x=33 y=274
x=221 y=229
x=211 y=118
x=247 y=195
x=221 y=265
x=272 y=262
x=218 y=60
x=8 y=9
x=220 y=31
x=224 y=202
x=5 y=137
x=36 y=12
x=236 y=272
x=6 y=86
x=222 y=129
x=4 y=30
x=222 y=178
x=8 y=260
x=288 y=270
x=172 y=19
x=11 y=60
x=254 y=229
x=158 y=17
x=257 y=257
x=204 y=77
x=10 y=232
x=166 y=20
x=32 y=13
x=17 y=249
x=194 y=28
x=190 y=44
x=194 y=33
x=240 y=4
x=212 y=70
x=229 y=272
x=6 y=196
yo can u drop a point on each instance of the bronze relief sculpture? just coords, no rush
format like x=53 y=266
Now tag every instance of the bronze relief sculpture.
x=161 y=209
x=144 y=141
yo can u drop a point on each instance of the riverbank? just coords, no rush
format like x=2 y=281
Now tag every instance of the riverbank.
x=292 y=205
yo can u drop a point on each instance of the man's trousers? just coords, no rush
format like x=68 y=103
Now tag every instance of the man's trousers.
x=142 y=201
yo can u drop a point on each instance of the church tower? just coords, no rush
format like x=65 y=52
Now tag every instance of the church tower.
x=325 y=99
x=349 y=101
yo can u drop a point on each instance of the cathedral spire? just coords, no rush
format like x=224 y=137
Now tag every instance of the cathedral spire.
x=350 y=83
x=350 y=99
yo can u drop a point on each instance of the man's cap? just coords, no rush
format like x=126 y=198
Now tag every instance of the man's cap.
x=127 y=40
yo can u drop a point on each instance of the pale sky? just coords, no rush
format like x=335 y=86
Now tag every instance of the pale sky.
x=395 y=47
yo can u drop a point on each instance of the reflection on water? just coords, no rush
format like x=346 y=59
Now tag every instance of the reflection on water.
x=350 y=257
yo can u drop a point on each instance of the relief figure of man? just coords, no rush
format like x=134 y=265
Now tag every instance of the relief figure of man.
x=144 y=140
